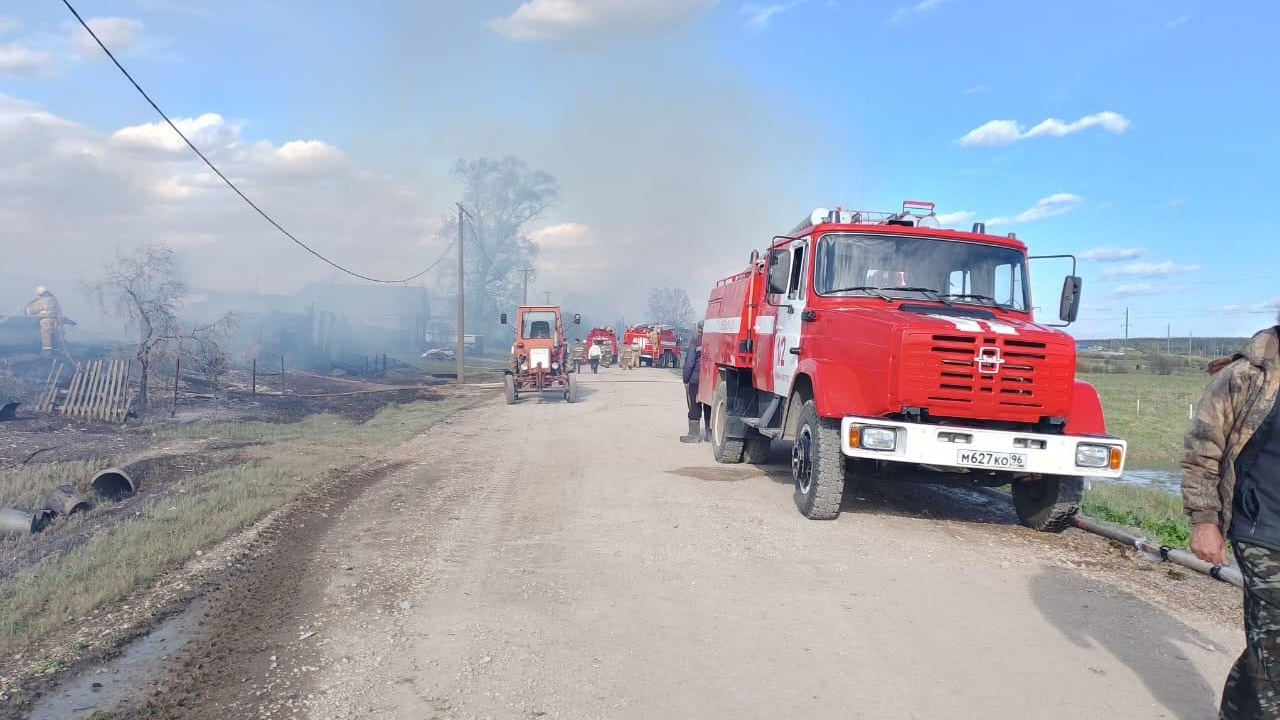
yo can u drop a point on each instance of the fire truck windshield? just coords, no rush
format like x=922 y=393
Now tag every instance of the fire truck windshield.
x=896 y=267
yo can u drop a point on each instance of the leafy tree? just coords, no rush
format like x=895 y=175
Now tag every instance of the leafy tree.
x=671 y=306
x=503 y=197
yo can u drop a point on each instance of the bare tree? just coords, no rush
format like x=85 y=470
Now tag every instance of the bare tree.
x=145 y=289
x=671 y=306
x=504 y=196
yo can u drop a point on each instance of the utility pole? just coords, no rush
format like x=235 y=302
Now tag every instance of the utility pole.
x=526 y=271
x=1168 y=333
x=462 y=339
x=1126 y=325
x=548 y=297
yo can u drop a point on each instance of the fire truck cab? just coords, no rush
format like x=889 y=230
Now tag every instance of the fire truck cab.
x=882 y=345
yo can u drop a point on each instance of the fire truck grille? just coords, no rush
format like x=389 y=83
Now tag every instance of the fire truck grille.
x=968 y=374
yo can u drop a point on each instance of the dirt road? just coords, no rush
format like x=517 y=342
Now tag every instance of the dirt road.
x=574 y=561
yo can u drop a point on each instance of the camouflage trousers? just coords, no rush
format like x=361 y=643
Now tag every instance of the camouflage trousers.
x=1253 y=687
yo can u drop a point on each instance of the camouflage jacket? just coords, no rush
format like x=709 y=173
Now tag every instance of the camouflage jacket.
x=1237 y=401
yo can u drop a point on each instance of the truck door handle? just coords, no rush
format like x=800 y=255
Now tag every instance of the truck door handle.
x=795 y=350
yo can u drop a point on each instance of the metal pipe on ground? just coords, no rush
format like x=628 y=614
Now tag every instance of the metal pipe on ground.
x=64 y=500
x=1225 y=573
x=113 y=484
x=22 y=521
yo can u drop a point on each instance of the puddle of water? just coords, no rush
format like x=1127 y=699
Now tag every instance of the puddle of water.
x=115 y=683
x=1159 y=479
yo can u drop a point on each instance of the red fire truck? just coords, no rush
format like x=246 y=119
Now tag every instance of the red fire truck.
x=667 y=351
x=604 y=337
x=882 y=345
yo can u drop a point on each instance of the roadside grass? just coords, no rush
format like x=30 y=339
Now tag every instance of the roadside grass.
x=1157 y=513
x=1154 y=430
x=28 y=486
x=211 y=506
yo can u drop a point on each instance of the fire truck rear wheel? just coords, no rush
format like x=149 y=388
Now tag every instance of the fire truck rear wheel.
x=1048 y=504
x=510 y=390
x=757 y=449
x=725 y=449
x=817 y=465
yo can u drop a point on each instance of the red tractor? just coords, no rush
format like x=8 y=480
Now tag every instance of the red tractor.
x=540 y=354
x=881 y=345
x=659 y=345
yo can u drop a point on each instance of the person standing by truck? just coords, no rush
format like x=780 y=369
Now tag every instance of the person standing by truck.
x=593 y=357
x=698 y=413
x=1231 y=489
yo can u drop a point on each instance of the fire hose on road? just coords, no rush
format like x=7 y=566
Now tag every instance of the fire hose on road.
x=1225 y=573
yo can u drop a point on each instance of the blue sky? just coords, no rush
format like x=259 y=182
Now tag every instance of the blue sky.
x=684 y=133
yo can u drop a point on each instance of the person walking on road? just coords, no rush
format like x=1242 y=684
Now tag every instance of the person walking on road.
x=593 y=357
x=698 y=413
x=1231 y=489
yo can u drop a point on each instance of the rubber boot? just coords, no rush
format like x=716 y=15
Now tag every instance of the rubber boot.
x=694 y=434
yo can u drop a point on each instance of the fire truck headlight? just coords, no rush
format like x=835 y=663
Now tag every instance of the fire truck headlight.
x=1093 y=456
x=879 y=438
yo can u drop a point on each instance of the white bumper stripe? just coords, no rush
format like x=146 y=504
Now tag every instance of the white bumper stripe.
x=920 y=444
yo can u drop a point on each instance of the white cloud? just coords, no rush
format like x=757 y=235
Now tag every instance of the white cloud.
x=759 y=16
x=564 y=236
x=1055 y=204
x=1176 y=22
x=979 y=88
x=955 y=218
x=119 y=34
x=1136 y=289
x=908 y=12
x=1111 y=254
x=551 y=20
x=994 y=133
x=1175 y=202
x=9 y=25
x=207 y=131
x=18 y=59
x=129 y=189
x=1150 y=269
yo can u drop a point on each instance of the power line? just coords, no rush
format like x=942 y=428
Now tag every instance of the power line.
x=218 y=172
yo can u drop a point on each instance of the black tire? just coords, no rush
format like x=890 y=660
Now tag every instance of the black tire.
x=509 y=387
x=724 y=449
x=571 y=391
x=757 y=449
x=817 y=465
x=1048 y=504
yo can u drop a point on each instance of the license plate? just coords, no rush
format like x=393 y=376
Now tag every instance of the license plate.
x=996 y=460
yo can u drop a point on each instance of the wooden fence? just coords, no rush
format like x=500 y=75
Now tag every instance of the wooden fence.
x=99 y=390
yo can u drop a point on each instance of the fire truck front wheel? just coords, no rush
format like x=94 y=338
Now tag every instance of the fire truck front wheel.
x=725 y=449
x=1048 y=504
x=510 y=390
x=817 y=465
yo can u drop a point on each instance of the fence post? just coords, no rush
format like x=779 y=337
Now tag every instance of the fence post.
x=1139 y=407
x=177 y=374
x=282 y=385
x=1191 y=412
x=254 y=387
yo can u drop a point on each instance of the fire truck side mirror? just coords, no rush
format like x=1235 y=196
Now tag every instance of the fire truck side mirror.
x=779 y=271
x=1069 y=307
x=577 y=319
x=503 y=319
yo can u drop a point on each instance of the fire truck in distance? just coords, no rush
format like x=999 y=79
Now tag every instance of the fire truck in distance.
x=666 y=353
x=539 y=354
x=608 y=342
x=882 y=345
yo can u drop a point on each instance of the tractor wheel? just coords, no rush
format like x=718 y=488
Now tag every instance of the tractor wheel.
x=1048 y=504
x=571 y=391
x=817 y=465
x=725 y=449
x=509 y=384
x=757 y=449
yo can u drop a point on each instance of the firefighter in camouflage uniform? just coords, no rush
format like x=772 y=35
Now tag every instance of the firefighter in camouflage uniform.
x=1231 y=489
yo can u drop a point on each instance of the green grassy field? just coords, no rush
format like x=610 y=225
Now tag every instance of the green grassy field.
x=1151 y=412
